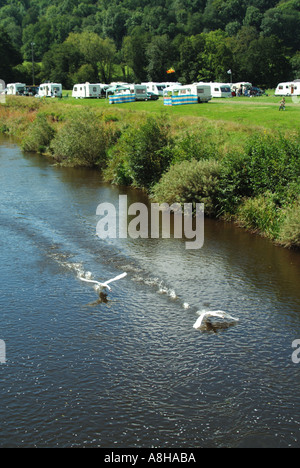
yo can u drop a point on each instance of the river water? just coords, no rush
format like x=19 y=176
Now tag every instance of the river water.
x=132 y=371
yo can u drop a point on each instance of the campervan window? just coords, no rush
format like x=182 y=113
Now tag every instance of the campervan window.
x=225 y=89
x=140 y=91
x=217 y=89
x=94 y=89
x=200 y=91
x=75 y=89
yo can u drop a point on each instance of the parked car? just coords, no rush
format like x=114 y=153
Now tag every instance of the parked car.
x=254 y=91
x=31 y=91
x=152 y=96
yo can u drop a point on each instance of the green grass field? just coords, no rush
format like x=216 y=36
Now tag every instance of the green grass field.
x=250 y=112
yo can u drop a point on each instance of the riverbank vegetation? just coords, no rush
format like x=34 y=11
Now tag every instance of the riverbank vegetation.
x=245 y=173
x=77 y=41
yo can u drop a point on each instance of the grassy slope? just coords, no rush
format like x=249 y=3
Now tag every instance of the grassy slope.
x=251 y=112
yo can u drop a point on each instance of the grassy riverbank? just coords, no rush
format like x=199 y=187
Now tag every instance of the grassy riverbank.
x=241 y=157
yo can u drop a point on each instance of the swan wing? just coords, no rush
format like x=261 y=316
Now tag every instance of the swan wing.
x=224 y=315
x=89 y=281
x=199 y=321
x=115 y=279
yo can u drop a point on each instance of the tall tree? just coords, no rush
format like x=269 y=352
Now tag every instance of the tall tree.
x=161 y=55
x=61 y=63
x=9 y=57
x=216 y=57
x=97 y=52
x=134 y=52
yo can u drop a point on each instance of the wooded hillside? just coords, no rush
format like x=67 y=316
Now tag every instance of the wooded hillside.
x=104 y=40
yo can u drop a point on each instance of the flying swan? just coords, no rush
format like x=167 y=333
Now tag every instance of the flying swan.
x=105 y=285
x=217 y=313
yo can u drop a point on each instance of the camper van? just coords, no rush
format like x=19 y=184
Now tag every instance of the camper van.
x=220 y=90
x=140 y=92
x=289 y=88
x=151 y=87
x=188 y=94
x=50 y=90
x=158 y=88
x=86 y=90
x=16 y=88
x=202 y=90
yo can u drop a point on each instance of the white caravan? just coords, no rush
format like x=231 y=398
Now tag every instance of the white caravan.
x=201 y=91
x=140 y=92
x=220 y=90
x=16 y=88
x=289 y=88
x=152 y=88
x=87 y=90
x=158 y=88
x=50 y=90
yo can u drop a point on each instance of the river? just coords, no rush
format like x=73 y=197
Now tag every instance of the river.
x=132 y=371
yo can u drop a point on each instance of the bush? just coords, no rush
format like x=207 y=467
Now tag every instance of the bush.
x=260 y=214
x=118 y=170
x=141 y=155
x=191 y=182
x=148 y=152
x=82 y=141
x=289 y=233
x=234 y=182
x=268 y=165
x=38 y=135
x=273 y=164
x=194 y=146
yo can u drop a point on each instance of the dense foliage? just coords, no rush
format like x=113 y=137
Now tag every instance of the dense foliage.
x=80 y=40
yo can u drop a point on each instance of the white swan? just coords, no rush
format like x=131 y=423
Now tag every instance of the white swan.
x=218 y=313
x=104 y=285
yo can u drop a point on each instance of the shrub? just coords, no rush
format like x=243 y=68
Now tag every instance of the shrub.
x=234 y=182
x=260 y=214
x=38 y=135
x=141 y=155
x=148 y=152
x=118 y=170
x=269 y=165
x=82 y=141
x=289 y=233
x=191 y=182
x=273 y=164
x=194 y=146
